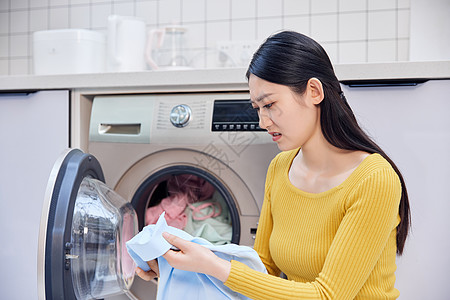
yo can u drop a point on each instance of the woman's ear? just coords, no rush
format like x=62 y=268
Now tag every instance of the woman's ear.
x=315 y=90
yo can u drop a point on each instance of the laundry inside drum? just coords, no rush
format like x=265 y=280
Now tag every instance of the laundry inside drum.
x=192 y=204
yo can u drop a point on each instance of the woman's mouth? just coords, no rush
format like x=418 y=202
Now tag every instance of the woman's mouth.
x=275 y=136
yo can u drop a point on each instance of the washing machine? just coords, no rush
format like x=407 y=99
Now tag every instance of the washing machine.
x=144 y=149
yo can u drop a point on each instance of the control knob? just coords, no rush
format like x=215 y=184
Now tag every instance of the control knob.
x=180 y=115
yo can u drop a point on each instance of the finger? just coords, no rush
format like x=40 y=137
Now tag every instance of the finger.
x=147 y=276
x=153 y=264
x=175 y=241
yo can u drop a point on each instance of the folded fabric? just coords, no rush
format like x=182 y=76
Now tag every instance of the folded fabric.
x=177 y=284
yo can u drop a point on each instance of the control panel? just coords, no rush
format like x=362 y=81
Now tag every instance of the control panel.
x=234 y=115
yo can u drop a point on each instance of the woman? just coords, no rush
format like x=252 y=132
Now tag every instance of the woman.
x=336 y=209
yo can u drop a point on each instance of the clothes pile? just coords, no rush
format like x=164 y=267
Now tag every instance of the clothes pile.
x=194 y=206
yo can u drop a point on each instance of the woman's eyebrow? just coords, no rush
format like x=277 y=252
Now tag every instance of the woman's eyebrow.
x=261 y=97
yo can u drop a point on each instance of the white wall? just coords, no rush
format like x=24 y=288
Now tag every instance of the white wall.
x=430 y=30
x=350 y=30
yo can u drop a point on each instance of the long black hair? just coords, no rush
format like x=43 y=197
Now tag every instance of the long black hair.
x=291 y=59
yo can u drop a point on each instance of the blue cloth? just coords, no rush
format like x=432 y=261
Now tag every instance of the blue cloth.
x=178 y=284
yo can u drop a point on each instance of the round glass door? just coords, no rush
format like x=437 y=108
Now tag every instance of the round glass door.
x=84 y=228
x=102 y=223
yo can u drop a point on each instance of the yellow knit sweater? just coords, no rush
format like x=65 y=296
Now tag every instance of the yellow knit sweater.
x=339 y=244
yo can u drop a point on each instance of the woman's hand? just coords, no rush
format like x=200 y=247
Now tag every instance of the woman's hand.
x=196 y=258
x=149 y=275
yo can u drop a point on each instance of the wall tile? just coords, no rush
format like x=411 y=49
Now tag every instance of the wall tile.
x=324 y=27
x=243 y=30
x=403 y=4
x=269 y=8
x=4 y=22
x=100 y=13
x=80 y=17
x=4 y=67
x=352 y=5
x=19 y=67
x=38 y=19
x=39 y=3
x=217 y=31
x=103 y=1
x=298 y=23
x=4 y=47
x=403 y=23
x=194 y=36
x=332 y=51
x=267 y=27
x=4 y=5
x=382 y=51
x=18 y=45
x=19 y=4
x=59 y=18
x=218 y=10
x=243 y=9
x=324 y=6
x=352 y=52
x=19 y=21
x=58 y=2
x=403 y=50
x=75 y=2
x=30 y=49
x=381 y=4
x=296 y=7
x=148 y=11
x=382 y=25
x=193 y=11
x=169 y=12
x=123 y=9
x=353 y=26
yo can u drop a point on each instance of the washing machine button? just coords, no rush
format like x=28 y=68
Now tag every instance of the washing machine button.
x=180 y=115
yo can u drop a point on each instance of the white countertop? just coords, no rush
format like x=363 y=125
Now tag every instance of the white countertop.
x=206 y=79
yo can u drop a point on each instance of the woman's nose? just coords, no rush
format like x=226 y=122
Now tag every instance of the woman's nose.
x=264 y=121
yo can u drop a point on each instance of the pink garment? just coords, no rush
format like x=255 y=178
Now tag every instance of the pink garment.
x=183 y=190
x=196 y=188
x=174 y=207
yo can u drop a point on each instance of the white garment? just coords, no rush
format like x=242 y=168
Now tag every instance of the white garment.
x=177 y=284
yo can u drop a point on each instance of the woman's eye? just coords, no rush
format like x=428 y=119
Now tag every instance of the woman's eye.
x=256 y=107
x=269 y=105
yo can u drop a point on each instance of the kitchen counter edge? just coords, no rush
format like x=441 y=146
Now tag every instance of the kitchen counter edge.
x=222 y=78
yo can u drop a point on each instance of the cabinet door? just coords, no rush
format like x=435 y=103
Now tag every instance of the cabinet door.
x=412 y=126
x=34 y=130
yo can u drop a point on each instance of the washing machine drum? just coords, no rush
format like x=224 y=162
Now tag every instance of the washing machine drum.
x=84 y=227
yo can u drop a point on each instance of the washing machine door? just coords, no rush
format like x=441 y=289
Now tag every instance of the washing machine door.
x=84 y=227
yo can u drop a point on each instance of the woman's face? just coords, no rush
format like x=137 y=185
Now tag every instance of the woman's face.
x=291 y=119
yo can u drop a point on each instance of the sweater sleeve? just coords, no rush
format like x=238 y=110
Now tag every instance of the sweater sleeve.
x=371 y=215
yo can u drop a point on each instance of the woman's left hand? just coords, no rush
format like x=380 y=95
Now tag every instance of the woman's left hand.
x=196 y=258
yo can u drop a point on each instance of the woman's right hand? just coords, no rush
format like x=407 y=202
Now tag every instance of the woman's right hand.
x=149 y=275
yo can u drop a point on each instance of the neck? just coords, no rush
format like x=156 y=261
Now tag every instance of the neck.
x=318 y=155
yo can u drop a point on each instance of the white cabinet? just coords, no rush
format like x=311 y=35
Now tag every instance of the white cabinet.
x=34 y=130
x=412 y=126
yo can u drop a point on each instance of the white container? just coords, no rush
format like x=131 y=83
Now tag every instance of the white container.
x=68 y=51
x=126 y=44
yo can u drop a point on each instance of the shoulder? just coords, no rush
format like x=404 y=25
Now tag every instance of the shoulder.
x=284 y=159
x=375 y=165
x=375 y=178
